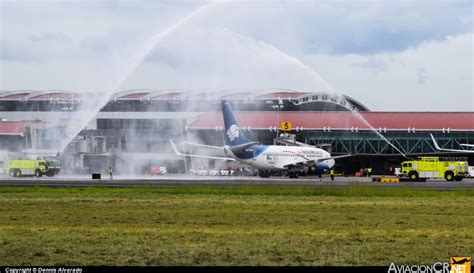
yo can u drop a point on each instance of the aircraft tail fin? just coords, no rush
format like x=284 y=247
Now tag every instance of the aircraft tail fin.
x=234 y=134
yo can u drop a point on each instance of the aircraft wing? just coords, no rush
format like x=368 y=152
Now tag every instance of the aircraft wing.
x=334 y=157
x=451 y=150
x=242 y=146
x=310 y=163
x=468 y=145
x=203 y=146
x=234 y=148
x=201 y=156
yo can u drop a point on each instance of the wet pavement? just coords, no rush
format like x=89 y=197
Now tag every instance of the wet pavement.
x=171 y=180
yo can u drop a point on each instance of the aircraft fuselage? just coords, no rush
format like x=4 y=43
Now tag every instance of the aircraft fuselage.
x=278 y=158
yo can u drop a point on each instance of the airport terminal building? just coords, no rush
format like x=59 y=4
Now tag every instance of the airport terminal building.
x=132 y=131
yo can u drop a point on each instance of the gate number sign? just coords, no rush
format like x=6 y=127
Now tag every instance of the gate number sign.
x=285 y=126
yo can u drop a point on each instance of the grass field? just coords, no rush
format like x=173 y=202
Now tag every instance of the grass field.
x=261 y=225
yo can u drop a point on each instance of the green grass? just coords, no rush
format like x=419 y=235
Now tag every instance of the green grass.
x=242 y=225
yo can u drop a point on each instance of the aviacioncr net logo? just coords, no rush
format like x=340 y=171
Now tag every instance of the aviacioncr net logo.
x=460 y=264
x=455 y=265
x=438 y=267
x=233 y=132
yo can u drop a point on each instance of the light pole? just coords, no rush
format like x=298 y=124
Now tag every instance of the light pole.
x=278 y=107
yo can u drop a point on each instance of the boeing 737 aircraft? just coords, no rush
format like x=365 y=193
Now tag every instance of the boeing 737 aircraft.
x=268 y=158
x=452 y=150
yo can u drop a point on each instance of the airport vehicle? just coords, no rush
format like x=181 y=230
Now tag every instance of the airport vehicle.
x=434 y=167
x=201 y=170
x=157 y=170
x=452 y=150
x=226 y=172
x=214 y=172
x=268 y=159
x=30 y=167
x=470 y=170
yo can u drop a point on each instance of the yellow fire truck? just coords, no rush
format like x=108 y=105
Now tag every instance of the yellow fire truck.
x=434 y=167
x=27 y=167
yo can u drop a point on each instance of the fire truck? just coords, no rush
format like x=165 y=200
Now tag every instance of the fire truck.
x=28 y=167
x=434 y=167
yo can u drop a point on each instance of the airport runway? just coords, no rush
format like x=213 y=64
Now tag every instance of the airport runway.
x=183 y=180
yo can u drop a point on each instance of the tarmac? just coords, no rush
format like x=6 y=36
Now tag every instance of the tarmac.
x=174 y=180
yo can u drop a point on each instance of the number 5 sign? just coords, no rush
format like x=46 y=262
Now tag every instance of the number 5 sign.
x=285 y=126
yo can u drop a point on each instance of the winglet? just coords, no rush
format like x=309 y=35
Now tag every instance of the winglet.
x=435 y=143
x=176 y=151
x=451 y=150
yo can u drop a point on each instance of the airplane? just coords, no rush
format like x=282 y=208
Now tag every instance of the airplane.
x=267 y=158
x=452 y=150
x=461 y=261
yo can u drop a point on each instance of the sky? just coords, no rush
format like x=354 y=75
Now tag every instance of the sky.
x=389 y=55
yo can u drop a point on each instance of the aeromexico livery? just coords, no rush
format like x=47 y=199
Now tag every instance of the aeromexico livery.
x=268 y=158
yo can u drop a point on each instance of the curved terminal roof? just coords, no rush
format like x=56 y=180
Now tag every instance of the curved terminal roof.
x=14 y=95
x=31 y=95
x=342 y=120
x=333 y=121
x=296 y=97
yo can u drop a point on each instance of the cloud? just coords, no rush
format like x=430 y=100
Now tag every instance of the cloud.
x=422 y=75
x=391 y=55
x=51 y=37
x=166 y=57
x=435 y=76
x=15 y=52
x=223 y=59
x=341 y=27
x=360 y=27
x=373 y=62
